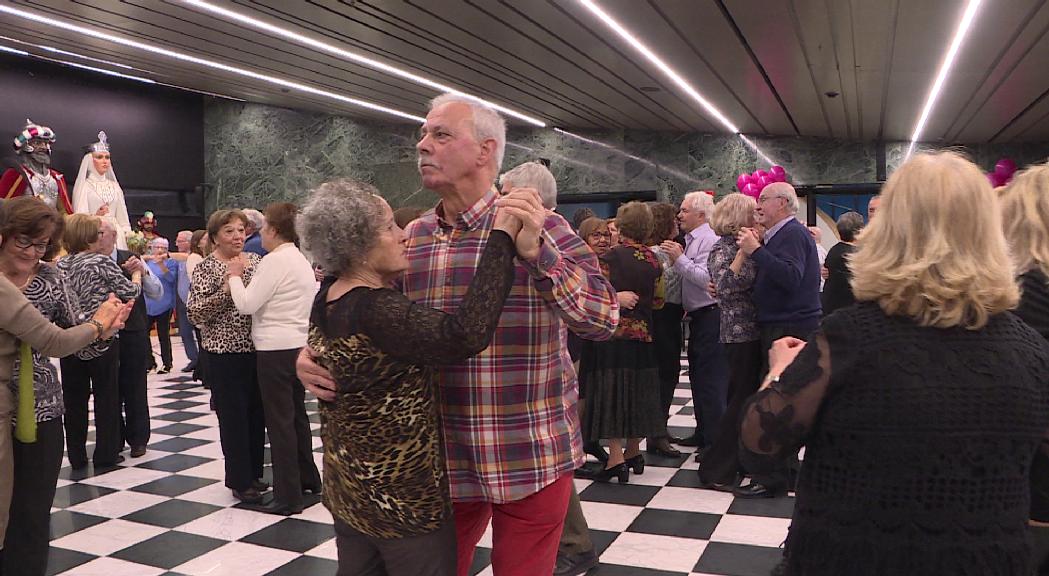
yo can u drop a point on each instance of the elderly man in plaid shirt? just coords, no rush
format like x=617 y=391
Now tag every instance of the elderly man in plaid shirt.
x=509 y=414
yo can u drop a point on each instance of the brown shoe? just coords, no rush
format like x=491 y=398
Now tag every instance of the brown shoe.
x=249 y=496
x=138 y=451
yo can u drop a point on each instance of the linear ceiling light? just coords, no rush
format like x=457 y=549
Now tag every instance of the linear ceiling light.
x=945 y=68
x=208 y=63
x=626 y=154
x=659 y=63
x=355 y=57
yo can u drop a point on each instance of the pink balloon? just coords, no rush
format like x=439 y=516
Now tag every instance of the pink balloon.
x=777 y=170
x=1005 y=167
x=760 y=173
x=752 y=190
x=780 y=177
x=995 y=179
x=742 y=181
x=764 y=181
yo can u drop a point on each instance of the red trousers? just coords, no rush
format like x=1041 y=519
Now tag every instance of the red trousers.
x=525 y=533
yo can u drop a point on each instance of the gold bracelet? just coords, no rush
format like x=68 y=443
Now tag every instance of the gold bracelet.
x=98 y=327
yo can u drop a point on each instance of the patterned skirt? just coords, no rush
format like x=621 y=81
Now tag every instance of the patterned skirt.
x=620 y=381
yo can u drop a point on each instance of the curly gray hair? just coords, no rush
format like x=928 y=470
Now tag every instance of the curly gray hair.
x=340 y=223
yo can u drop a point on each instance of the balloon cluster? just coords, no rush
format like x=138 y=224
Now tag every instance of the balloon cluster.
x=1003 y=172
x=753 y=184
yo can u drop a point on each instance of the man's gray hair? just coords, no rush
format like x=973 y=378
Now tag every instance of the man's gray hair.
x=849 y=225
x=785 y=191
x=699 y=201
x=339 y=224
x=187 y=234
x=159 y=241
x=487 y=122
x=255 y=217
x=533 y=175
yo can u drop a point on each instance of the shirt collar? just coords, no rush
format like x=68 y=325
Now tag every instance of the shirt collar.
x=474 y=216
x=777 y=227
x=697 y=231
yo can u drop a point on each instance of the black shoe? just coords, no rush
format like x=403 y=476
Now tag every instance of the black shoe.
x=757 y=490
x=189 y=368
x=249 y=496
x=596 y=450
x=575 y=564
x=137 y=451
x=78 y=464
x=260 y=485
x=164 y=370
x=636 y=463
x=619 y=471
x=663 y=448
x=110 y=463
x=279 y=509
x=719 y=486
x=693 y=440
x=588 y=471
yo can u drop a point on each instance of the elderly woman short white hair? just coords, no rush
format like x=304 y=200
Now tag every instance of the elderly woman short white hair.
x=532 y=175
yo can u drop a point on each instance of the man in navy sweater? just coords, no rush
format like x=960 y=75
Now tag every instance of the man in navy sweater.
x=786 y=290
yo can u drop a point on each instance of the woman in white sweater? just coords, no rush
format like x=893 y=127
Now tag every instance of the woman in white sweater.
x=279 y=298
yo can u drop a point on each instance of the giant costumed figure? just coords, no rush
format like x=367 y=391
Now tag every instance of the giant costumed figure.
x=34 y=176
x=98 y=192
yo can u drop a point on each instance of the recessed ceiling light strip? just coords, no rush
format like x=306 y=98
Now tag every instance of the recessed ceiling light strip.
x=355 y=57
x=945 y=68
x=659 y=63
x=204 y=62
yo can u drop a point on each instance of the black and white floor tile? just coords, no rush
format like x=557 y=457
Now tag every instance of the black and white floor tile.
x=168 y=513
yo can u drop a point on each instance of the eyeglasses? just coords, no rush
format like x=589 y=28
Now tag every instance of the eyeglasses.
x=762 y=199
x=599 y=235
x=21 y=242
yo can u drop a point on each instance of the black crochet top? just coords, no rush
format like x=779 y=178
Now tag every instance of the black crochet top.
x=918 y=445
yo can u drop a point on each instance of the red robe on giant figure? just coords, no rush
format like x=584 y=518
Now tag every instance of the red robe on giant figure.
x=15 y=182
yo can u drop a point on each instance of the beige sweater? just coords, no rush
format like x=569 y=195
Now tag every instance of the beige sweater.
x=19 y=320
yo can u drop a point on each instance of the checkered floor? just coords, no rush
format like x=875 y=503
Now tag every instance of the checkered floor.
x=168 y=512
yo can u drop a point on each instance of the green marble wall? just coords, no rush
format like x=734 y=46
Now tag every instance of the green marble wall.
x=255 y=154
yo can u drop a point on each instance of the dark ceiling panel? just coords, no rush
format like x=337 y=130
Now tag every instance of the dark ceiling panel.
x=768 y=66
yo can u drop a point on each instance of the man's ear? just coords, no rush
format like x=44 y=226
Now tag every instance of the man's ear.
x=487 y=152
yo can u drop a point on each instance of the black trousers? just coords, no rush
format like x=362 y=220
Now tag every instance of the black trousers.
x=36 y=476
x=721 y=462
x=135 y=353
x=81 y=379
x=163 y=324
x=242 y=427
x=707 y=371
x=432 y=554
x=780 y=477
x=291 y=444
x=666 y=335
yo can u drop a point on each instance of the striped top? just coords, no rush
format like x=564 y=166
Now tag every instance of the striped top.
x=509 y=413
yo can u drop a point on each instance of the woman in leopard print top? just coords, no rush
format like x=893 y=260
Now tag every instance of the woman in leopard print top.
x=226 y=336
x=384 y=468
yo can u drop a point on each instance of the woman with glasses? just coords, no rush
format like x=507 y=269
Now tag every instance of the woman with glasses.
x=92 y=274
x=31 y=232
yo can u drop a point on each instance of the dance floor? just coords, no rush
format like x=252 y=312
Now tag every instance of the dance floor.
x=169 y=513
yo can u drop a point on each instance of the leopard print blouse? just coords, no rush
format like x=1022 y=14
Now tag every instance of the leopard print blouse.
x=384 y=465
x=223 y=330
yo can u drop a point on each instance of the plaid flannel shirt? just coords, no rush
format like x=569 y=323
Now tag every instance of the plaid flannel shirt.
x=509 y=414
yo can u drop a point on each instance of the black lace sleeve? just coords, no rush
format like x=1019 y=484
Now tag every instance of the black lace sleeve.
x=777 y=420
x=422 y=335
